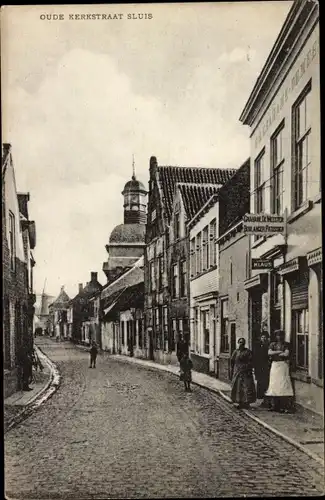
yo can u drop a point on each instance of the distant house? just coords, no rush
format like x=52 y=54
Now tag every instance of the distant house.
x=113 y=300
x=18 y=241
x=58 y=315
x=80 y=311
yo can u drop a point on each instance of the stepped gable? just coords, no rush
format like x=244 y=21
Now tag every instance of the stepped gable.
x=195 y=196
x=62 y=300
x=169 y=176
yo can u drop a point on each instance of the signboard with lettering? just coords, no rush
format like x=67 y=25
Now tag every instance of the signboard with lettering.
x=263 y=224
x=262 y=264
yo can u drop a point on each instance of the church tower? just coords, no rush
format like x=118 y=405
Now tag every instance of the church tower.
x=127 y=241
x=134 y=193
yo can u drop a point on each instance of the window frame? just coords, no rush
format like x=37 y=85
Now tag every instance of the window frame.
x=299 y=140
x=205 y=323
x=175 y=281
x=277 y=168
x=259 y=183
x=304 y=335
x=183 y=279
x=224 y=327
x=205 y=248
x=212 y=243
x=192 y=257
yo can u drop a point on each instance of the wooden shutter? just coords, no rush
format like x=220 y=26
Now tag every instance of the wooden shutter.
x=299 y=290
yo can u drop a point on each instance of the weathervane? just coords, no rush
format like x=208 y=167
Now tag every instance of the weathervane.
x=133 y=168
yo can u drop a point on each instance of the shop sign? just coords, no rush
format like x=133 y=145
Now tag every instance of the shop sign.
x=315 y=257
x=262 y=264
x=263 y=224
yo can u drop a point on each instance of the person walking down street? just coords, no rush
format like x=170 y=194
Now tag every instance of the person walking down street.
x=93 y=355
x=243 y=389
x=186 y=366
x=280 y=388
x=182 y=349
x=25 y=367
x=262 y=367
x=57 y=337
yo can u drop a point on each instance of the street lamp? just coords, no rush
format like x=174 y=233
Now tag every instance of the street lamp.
x=132 y=310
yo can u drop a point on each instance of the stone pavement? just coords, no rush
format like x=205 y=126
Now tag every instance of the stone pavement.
x=16 y=404
x=123 y=431
x=304 y=429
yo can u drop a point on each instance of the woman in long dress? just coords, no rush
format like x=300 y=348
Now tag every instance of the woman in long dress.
x=243 y=389
x=280 y=388
x=262 y=367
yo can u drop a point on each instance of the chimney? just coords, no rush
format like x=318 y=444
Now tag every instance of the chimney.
x=62 y=288
x=153 y=164
x=93 y=276
x=80 y=287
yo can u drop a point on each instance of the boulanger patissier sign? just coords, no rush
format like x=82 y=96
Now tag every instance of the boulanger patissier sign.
x=261 y=224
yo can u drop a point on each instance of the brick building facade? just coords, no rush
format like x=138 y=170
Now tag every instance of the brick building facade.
x=18 y=297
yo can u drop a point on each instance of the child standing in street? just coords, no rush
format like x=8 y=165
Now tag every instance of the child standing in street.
x=186 y=366
x=93 y=355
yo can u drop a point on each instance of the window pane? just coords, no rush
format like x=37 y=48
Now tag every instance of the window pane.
x=301 y=118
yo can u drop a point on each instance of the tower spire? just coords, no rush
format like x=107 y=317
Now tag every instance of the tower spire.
x=133 y=168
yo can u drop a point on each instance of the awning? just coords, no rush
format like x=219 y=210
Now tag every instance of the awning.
x=291 y=266
x=260 y=280
x=315 y=257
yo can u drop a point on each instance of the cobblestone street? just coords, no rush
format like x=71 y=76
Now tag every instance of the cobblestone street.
x=122 y=431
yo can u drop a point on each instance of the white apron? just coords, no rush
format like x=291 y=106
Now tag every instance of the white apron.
x=280 y=382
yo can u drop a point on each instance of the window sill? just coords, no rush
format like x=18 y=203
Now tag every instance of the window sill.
x=308 y=205
x=213 y=268
x=301 y=376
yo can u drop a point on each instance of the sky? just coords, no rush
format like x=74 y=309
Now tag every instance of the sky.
x=80 y=97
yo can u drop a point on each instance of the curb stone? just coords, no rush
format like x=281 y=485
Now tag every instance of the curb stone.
x=40 y=398
x=247 y=412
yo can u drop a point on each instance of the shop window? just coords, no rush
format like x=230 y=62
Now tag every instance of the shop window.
x=260 y=180
x=277 y=161
x=302 y=146
x=206 y=331
x=300 y=328
x=224 y=347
